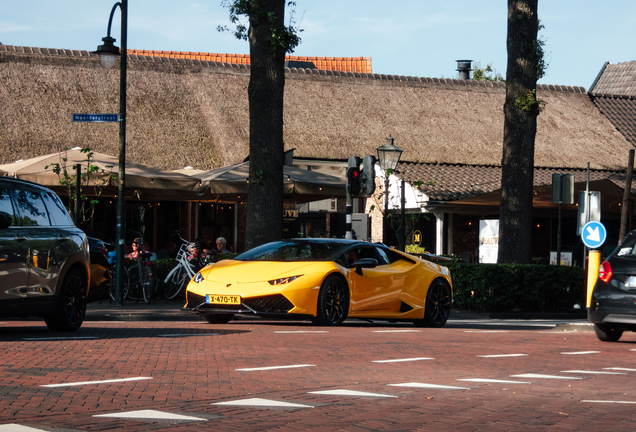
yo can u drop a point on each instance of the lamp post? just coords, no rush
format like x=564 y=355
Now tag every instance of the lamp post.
x=108 y=53
x=388 y=158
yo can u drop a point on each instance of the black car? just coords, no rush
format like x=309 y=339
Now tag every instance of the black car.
x=613 y=305
x=44 y=258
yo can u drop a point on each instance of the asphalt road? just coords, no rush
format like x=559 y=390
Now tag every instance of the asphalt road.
x=473 y=375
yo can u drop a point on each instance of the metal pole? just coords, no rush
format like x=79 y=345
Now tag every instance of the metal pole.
x=385 y=223
x=78 y=193
x=121 y=203
x=587 y=211
x=349 y=211
x=559 y=236
x=626 y=194
x=403 y=230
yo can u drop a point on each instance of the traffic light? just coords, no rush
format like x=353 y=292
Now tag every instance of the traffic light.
x=367 y=176
x=353 y=181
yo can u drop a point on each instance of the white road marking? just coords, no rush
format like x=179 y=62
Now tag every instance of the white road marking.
x=60 y=338
x=274 y=367
x=494 y=381
x=531 y=375
x=403 y=360
x=581 y=352
x=397 y=331
x=594 y=372
x=303 y=331
x=150 y=415
x=621 y=369
x=12 y=427
x=430 y=386
x=258 y=402
x=502 y=355
x=350 y=393
x=616 y=402
x=189 y=334
x=98 y=382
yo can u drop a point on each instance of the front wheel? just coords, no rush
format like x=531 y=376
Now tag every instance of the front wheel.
x=175 y=284
x=607 y=333
x=71 y=305
x=218 y=318
x=438 y=305
x=333 y=302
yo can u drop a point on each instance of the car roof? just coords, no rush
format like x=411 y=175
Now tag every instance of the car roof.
x=13 y=181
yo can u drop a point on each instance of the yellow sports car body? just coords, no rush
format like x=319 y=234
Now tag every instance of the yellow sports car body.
x=325 y=280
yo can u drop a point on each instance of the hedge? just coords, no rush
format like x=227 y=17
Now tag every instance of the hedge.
x=516 y=287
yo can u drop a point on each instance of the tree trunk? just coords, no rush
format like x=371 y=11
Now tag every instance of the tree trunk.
x=520 y=126
x=266 y=87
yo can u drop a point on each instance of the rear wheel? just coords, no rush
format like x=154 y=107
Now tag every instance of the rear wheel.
x=148 y=282
x=71 y=305
x=333 y=302
x=607 y=333
x=438 y=305
x=174 y=286
x=218 y=318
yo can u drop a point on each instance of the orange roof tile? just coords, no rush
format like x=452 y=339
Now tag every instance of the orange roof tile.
x=341 y=64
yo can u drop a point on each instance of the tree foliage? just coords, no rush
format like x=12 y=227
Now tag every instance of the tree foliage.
x=90 y=178
x=486 y=73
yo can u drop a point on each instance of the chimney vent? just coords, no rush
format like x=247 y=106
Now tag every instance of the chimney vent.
x=464 y=69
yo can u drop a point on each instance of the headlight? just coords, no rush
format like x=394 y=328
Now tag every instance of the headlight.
x=198 y=277
x=283 y=280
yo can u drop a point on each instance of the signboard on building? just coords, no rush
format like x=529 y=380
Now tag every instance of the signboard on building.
x=488 y=240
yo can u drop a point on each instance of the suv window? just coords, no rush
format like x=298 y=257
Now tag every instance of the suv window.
x=57 y=212
x=31 y=208
x=6 y=205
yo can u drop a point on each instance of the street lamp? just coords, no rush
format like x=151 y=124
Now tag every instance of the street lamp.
x=388 y=157
x=108 y=53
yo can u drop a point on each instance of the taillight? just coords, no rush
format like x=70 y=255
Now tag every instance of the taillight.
x=605 y=272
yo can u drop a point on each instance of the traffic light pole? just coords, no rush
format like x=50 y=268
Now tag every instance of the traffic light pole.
x=349 y=211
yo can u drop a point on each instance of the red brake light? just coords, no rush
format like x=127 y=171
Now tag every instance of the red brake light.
x=605 y=272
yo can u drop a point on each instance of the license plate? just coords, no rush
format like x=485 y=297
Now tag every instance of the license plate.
x=223 y=299
x=631 y=282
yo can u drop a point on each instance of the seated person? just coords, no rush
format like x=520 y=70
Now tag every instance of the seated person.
x=352 y=257
x=153 y=256
x=220 y=245
x=136 y=248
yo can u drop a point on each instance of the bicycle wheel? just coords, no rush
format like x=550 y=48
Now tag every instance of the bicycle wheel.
x=147 y=282
x=134 y=290
x=174 y=286
x=112 y=284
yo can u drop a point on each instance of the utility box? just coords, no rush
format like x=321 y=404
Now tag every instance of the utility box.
x=361 y=224
x=563 y=188
x=594 y=213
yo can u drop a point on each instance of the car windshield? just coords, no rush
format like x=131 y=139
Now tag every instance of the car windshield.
x=294 y=251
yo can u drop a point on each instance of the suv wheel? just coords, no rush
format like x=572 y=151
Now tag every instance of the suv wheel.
x=607 y=333
x=71 y=305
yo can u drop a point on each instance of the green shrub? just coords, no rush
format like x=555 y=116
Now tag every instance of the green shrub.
x=516 y=287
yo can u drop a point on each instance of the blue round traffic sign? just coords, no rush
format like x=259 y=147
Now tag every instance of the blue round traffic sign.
x=593 y=234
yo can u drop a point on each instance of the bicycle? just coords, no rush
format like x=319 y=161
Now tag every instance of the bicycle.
x=182 y=272
x=143 y=274
x=112 y=284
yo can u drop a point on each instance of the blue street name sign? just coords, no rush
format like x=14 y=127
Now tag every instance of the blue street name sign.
x=95 y=117
x=593 y=234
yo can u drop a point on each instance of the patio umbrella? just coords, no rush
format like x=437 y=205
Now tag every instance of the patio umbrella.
x=145 y=179
x=304 y=185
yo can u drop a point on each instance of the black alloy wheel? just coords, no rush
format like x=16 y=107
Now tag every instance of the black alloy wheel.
x=218 y=318
x=333 y=302
x=438 y=305
x=71 y=307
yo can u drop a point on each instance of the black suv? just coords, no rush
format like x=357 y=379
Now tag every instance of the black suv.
x=44 y=258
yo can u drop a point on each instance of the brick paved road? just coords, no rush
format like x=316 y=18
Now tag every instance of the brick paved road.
x=187 y=368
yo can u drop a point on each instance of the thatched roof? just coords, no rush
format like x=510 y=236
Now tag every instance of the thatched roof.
x=185 y=112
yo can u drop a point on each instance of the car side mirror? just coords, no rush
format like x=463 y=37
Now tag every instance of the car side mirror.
x=5 y=220
x=365 y=263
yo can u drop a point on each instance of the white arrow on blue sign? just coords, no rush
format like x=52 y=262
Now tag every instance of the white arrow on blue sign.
x=593 y=234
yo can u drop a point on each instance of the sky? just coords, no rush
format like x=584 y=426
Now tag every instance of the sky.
x=421 y=38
